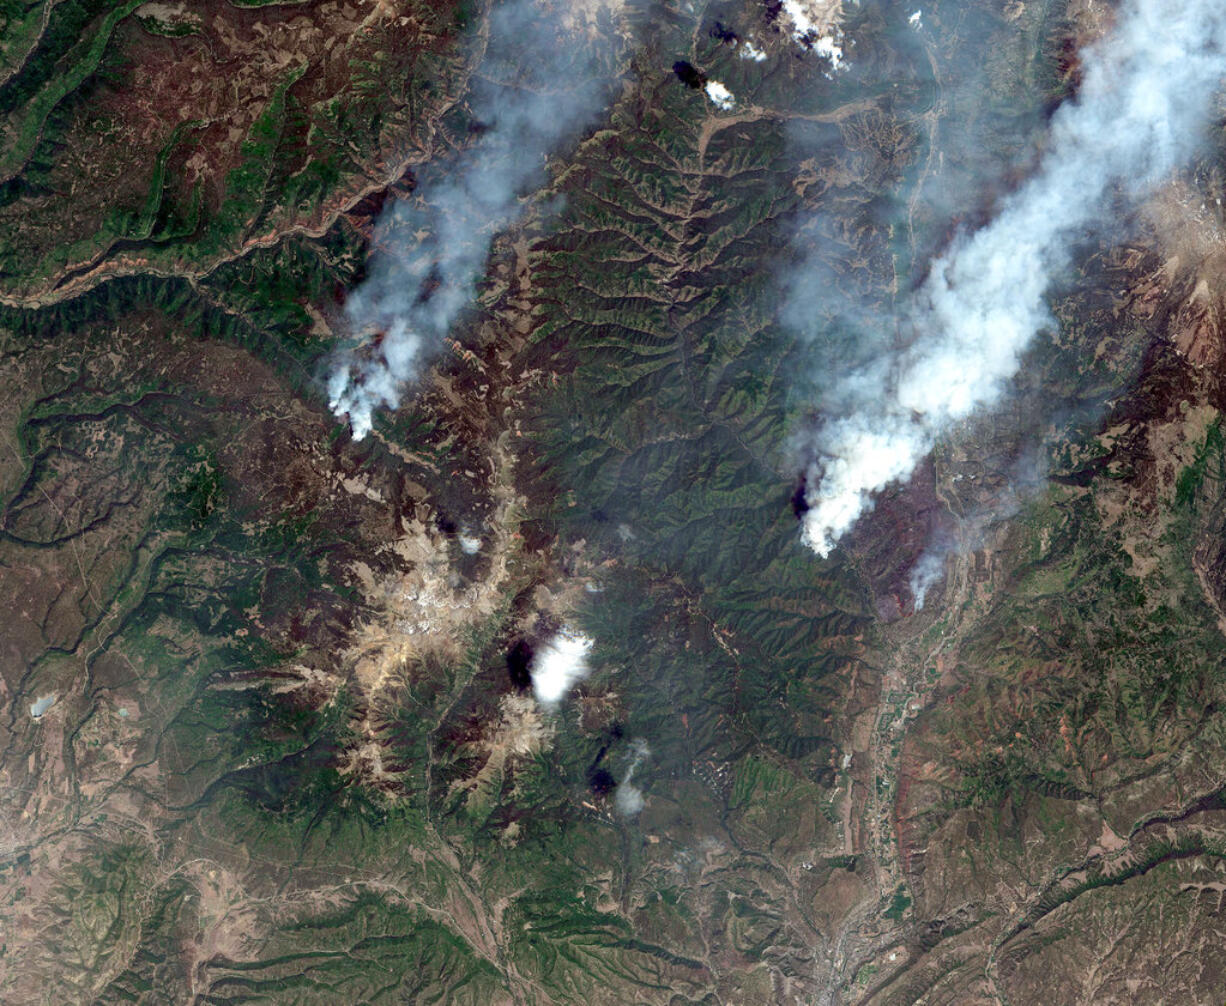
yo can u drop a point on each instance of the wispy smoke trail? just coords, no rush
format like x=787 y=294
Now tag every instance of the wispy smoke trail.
x=537 y=85
x=1145 y=99
x=629 y=798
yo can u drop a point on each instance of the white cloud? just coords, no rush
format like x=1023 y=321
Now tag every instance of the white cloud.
x=41 y=705
x=560 y=665
x=720 y=95
x=748 y=50
x=815 y=24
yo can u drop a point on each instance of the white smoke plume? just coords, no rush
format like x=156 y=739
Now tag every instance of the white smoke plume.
x=1146 y=96
x=559 y=666
x=537 y=85
x=925 y=574
x=629 y=798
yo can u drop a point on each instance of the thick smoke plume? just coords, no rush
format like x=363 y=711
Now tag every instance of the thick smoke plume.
x=537 y=85
x=1146 y=96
